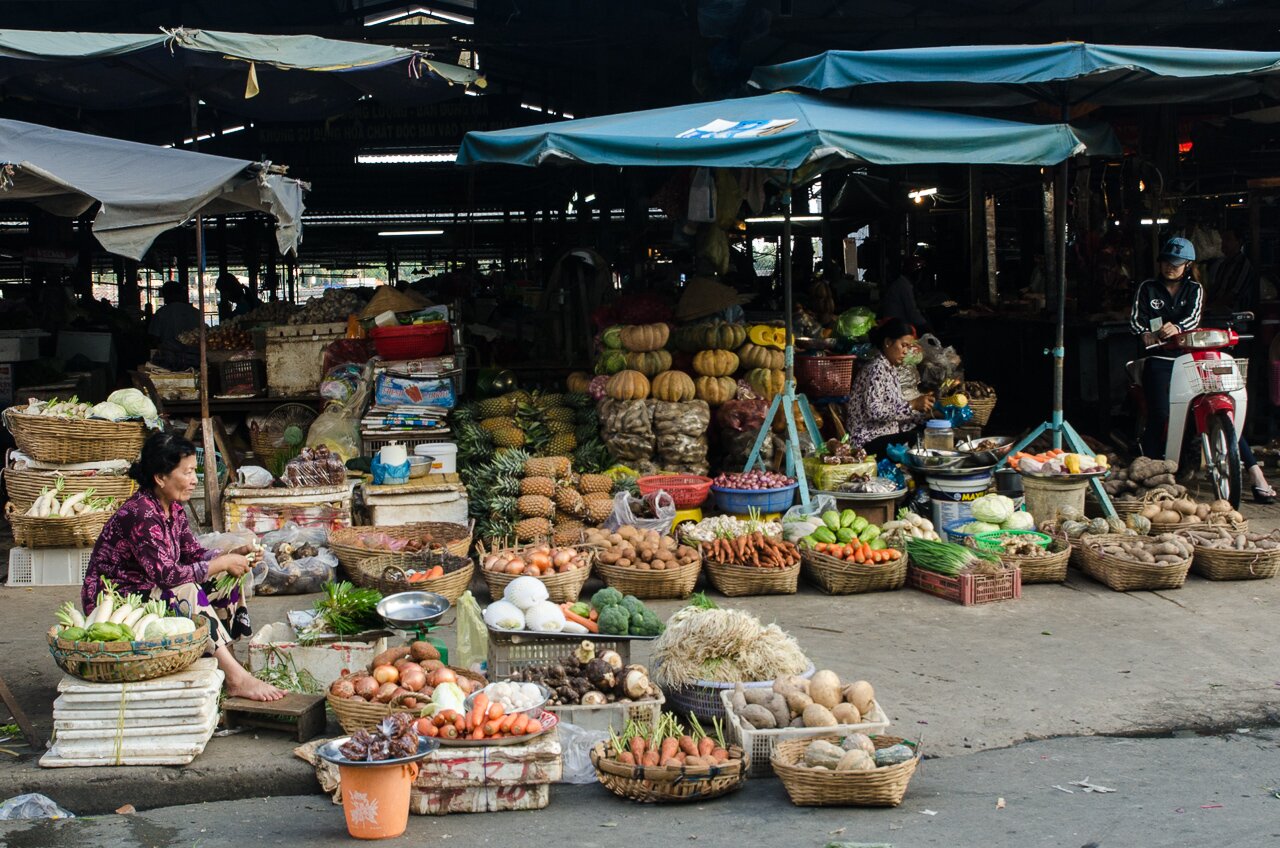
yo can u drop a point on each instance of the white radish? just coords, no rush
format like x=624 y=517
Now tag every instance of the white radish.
x=102 y=612
x=69 y=505
x=135 y=615
x=140 y=629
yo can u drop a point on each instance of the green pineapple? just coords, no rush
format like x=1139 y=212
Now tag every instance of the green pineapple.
x=585 y=432
x=561 y=444
x=555 y=428
x=559 y=414
x=548 y=401
x=464 y=414
x=498 y=407
x=579 y=400
x=509 y=437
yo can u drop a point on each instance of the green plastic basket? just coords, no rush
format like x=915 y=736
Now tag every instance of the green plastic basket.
x=991 y=541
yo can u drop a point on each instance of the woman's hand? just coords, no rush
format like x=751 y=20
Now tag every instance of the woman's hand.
x=243 y=550
x=922 y=403
x=237 y=565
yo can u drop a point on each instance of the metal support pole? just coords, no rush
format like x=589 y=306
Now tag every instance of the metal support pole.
x=212 y=492
x=1059 y=348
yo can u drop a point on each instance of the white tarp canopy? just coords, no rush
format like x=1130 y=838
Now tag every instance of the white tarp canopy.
x=143 y=190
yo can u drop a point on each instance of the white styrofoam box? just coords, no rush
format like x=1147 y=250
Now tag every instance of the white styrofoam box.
x=326 y=663
x=48 y=566
x=295 y=356
x=397 y=510
x=20 y=345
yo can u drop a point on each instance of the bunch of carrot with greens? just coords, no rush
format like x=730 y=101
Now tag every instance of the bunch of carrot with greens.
x=669 y=745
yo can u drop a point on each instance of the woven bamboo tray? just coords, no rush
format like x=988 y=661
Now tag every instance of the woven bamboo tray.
x=1125 y=576
x=658 y=785
x=389 y=577
x=982 y=409
x=1213 y=564
x=649 y=584
x=65 y=441
x=839 y=577
x=454 y=538
x=1045 y=569
x=356 y=715
x=26 y=485
x=738 y=580
x=817 y=787
x=562 y=588
x=128 y=662
x=75 y=531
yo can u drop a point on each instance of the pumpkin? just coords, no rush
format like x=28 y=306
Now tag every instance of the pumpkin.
x=715 y=390
x=715 y=363
x=650 y=362
x=688 y=339
x=673 y=386
x=611 y=362
x=578 y=382
x=627 y=385
x=767 y=336
x=645 y=337
x=753 y=355
x=766 y=382
x=721 y=335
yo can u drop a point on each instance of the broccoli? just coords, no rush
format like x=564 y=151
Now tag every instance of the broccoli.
x=637 y=621
x=647 y=625
x=633 y=604
x=606 y=597
x=614 y=620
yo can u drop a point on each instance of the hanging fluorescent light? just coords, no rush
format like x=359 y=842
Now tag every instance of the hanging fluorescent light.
x=1147 y=222
x=428 y=156
x=389 y=233
x=778 y=219
x=918 y=195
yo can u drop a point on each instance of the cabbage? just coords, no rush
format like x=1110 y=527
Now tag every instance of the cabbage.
x=855 y=323
x=612 y=338
x=995 y=509
x=448 y=696
x=544 y=616
x=109 y=411
x=525 y=592
x=134 y=403
x=1020 y=520
x=611 y=362
x=973 y=528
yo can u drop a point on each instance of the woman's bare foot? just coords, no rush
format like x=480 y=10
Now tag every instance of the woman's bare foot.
x=254 y=689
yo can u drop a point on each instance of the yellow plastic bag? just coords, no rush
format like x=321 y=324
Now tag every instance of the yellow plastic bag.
x=473 y=636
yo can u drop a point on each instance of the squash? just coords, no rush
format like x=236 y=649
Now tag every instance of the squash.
x=823 y=754
x=721 y=335
x=715 y=363
x=627 y=385
x=824 y=688
x=861 y=695
x=645 y=337
x=856 y=760
x=673 y=386
x=611 y=362
x=715 y=390
x=578 y=382
x=766 y=336
x=766 y=382
x=649 y=362
x=752 y=355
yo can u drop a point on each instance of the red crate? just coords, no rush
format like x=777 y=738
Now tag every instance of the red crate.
x=967 y=589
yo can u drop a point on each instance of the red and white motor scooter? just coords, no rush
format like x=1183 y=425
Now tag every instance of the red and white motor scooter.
x=1208 y=402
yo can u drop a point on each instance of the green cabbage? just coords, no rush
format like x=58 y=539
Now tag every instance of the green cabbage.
x=995 y=509
x=134 y=403
x=612 y=338
x=855 y=323
x=973 y=528
x=611 y=362
x=109 y=411
x=1020 y=521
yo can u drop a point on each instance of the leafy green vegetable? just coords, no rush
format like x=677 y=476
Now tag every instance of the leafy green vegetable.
x=614 y=620
x=606 y=597
x=346 y=609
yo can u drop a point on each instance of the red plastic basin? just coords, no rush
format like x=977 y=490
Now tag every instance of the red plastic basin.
x=413 y=341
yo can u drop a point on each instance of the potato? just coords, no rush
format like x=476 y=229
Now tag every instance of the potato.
x=790 y=683
x=423 y=651
x=798 y=721
x=797 y=702
x=824 y=688
x=758 y=717
x=846 y=714
x=738 y=699
x=816 y=715
x=778 y=706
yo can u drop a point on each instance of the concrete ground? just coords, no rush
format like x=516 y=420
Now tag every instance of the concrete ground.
x=1066 y=660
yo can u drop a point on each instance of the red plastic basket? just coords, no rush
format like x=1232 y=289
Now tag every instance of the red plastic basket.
x=689 y=491
x=967 y=589
x=413 y=341
x=825 y=376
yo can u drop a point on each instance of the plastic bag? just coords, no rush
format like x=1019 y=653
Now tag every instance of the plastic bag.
x=817 y=506
x=292 y=576
x=940 y=363
x=223 y=542
x=473 y=640
x=35 y=806
x=332 y=429
x=254 y=477
x=575 y=747
x=662 y=505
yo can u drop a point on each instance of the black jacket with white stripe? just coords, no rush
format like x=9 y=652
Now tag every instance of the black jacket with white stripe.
x=1152 y=300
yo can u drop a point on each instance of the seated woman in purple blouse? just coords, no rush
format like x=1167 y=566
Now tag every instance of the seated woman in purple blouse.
x=148 y=548
x=878 y=415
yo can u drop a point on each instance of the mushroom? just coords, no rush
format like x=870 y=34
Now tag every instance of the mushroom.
x=586 y=652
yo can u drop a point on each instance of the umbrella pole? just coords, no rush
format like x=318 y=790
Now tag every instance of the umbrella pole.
x=212 y=492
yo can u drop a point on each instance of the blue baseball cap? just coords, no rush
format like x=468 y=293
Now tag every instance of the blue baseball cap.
x=1178 y=251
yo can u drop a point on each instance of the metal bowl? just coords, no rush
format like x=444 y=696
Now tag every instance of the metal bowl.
x=931 y=460
x=330 y=751
x=534 y=710
x=408 y=610
x=1000 y=446
x=420 y=466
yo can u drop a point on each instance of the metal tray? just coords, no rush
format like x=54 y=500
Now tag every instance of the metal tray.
x=536 y=709
x=862 y=496
x=329 y=752
x=519 y=637
x=547 y=720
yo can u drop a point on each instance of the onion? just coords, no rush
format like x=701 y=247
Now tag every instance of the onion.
x=564 y=557
x=413 y=678
x=442 y=675
x=365 y=686
x=386 y=674
x=342 y=688
x=385 y=693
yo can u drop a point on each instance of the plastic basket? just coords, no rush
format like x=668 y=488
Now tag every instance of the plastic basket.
x=508 y=653
x=952 y=531
x=760 y=743
x=825 y=376
x=48 y=566
x=967 y=589
x=416 y=341
x=992 y=541
x=607 y=717
x=702 y=698
x=742 y=501
x=689 y=491
x=242 y=377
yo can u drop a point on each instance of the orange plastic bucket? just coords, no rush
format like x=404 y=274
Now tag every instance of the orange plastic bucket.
x=375 y=799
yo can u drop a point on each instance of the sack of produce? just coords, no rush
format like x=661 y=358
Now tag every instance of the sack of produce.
x=679 y=449
x=652 y=512
x=625 y=416
x=630 y=448
x=294 y=561
x=689 y=418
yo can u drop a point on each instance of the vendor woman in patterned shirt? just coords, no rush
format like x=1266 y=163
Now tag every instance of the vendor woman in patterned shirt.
x=148 y=548
x=878 y=415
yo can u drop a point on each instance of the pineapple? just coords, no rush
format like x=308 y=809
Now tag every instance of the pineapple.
x=492 y=425
x=541 y=486
x=568 y=532
x=499 y=407
x=548 y=466
x=562 y=443
x=585 y=432
x=535 y=506
x=592 y=484
x=503 y=507
x=569 y=501
x=532 y=528
x=506 y=487
x=560 y=414
x=464 y=414
x=599 y=506
x=548 y=401
x=578 y=400
x=508 y=437
x=519 y=397
x=557 y=428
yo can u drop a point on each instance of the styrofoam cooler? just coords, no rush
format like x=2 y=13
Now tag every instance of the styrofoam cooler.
x=448 y=507
x=326 y=663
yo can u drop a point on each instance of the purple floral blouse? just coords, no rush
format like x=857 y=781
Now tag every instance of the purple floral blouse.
x=141 y=549
x=876 y=405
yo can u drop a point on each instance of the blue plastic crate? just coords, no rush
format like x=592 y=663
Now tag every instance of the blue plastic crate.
x=742 y=501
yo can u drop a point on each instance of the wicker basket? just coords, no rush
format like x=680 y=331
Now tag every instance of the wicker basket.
x=650 y=584
x=1045 y=569
x=738 y=580
x=838 y=577
x=128 y=662
x=388 y=576
x=658 y=785
x=454 y=538
x=982 y=409
x=1213 y=564
x=356 y=715
x=1125 y=576
x=75 y=531
x=562 y=588
x=817 y=787
x=25 y=486
x=65 y=441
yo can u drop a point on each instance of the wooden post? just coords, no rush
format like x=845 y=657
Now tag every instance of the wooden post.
x=212 y=491
x=993 y=292
x=977 y=222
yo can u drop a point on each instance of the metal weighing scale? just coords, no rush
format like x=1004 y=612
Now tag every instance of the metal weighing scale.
x=417 y=613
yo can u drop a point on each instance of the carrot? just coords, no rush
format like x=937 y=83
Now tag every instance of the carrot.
x=460 y=724
x=719 y=754
x=479 y=710
x=518 y=728
x=478 y=733
x=491 y=728
x=507 y=721
x=637 y=747
x=669 y=747
x=595 y=614
x=688 y=746
x=570 y=615
x=448 y=732
x=651 y=758
x=627 y=758
x=705 y=744
x=432 y=730
x=496 y=711
x=436 y=571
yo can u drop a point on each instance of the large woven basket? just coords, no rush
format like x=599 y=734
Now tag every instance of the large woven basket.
x=819 y=787
x=64 y=441
x=74 y=531
x=738 y=580
x=128 y=662
x=838 y=577
x=562 y=588
x=982 y=409
x=356 y=715
x=649 y=584
x=1213 y=564
x=1125 y=576
x=24 y=486
x=454 y=538
x=658 y=785
x=1045 y=569
x=387 y=575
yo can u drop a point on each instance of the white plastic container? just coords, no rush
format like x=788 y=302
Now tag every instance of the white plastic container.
x=951 y=498
x=444 y=454
x=326 y=663
x=48 y=566
x=393 y=455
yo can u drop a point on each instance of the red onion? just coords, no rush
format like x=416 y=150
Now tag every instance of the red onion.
x=753 y=480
